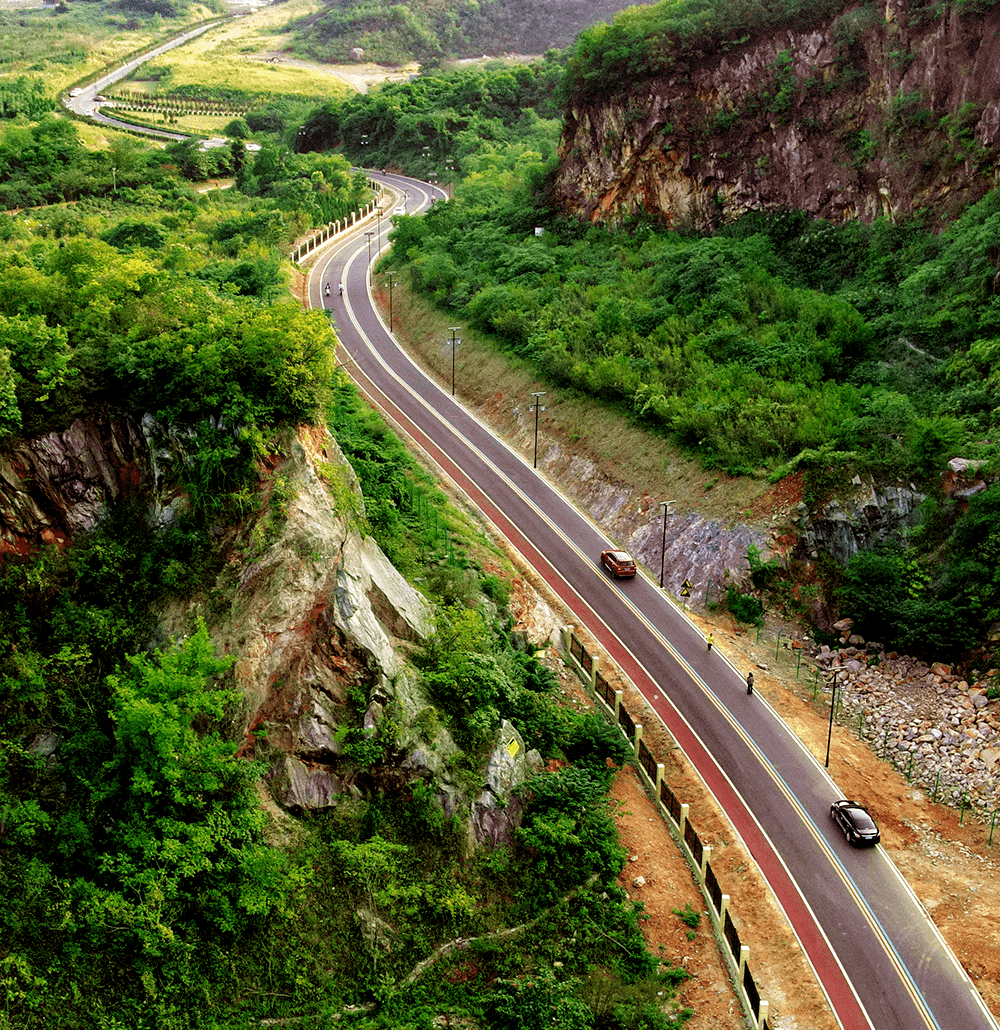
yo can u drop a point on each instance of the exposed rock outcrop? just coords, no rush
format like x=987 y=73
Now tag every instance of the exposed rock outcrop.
x=871 y=113
x=496 y=813
x=320 y=619
x=872 y=513
x=55 y=486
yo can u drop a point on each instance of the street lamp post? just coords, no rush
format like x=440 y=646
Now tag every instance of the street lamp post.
x=390 y=282
x=833 y=704
x=663 y=541
x=378 y=222
x=536 y=407
x=369 y=233
x=454 y=344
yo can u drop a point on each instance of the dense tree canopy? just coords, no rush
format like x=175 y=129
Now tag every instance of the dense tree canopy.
x=435 y=124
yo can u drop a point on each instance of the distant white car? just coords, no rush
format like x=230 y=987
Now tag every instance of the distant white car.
x=75 y=92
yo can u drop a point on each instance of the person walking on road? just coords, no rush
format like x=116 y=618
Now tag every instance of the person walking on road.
x=709 y=643
x=749 y=682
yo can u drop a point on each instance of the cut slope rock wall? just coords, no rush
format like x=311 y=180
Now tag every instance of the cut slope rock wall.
x=872 y=113
x=321 y=620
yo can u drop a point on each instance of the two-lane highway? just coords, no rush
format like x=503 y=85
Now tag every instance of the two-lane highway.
x=875 y=951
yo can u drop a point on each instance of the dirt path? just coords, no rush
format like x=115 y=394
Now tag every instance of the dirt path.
x=361 y=76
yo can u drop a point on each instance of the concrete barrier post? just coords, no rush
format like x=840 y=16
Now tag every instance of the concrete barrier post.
x=744 y=958
x=682 y=822
x=723 y=909
x=659 y=780
x=618 y=703
x=566 y=636
x=706 y=854
x=762 y=1018
x=636 y=739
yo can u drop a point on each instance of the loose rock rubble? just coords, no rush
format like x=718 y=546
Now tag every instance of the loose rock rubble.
x=938 y=729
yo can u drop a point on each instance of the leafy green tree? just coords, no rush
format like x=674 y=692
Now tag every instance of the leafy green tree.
x=129 y=235
x=185 y=843
x=10 y=413
x=568 y=830
x=973 y=568
x=464 y=673
x=537 y=1001
x=876 y=583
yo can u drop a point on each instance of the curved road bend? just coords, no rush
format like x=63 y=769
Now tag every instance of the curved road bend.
x=878 y=956
x=86 y=105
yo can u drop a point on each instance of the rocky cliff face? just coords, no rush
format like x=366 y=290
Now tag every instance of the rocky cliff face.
x=873 y=113
x=320 y=619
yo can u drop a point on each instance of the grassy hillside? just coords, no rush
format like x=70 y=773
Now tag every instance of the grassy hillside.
x=238 y=57
x=430 y=31
x=66 y=42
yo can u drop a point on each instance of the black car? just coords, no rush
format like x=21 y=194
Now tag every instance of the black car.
x=855 y=822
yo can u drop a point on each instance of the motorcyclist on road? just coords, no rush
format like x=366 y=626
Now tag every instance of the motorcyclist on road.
x=326 y=291
x=342 y=289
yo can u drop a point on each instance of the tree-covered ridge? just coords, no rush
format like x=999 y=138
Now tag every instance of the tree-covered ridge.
x=431 y=31
x=164 y=306
x=439 y=125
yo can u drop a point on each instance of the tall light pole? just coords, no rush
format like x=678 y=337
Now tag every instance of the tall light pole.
x=536 y=407
x=833 y=704
x=378 y=221
x=390 y=282
x=369 y=233
x=454 y=344
x=663 y=542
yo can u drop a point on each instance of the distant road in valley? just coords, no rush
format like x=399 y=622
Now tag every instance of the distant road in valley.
x=881 y=961
x=86 y=105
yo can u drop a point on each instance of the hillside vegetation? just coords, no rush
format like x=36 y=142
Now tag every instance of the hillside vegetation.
x=779 y=344
x=430 y=31
x=649 y=40
x=64 y=42
x=142 y=883
x=441 y=125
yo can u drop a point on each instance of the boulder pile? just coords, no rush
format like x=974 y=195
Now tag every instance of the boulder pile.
x=937 y=728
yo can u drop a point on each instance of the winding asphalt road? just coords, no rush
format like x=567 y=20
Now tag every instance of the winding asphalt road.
x=877 y=954
x=86 y=104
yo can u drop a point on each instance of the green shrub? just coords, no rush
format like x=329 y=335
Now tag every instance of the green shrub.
x=762 y=574
x=744 y=607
